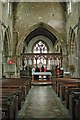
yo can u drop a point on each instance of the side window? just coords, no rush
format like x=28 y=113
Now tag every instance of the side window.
x=69 y=7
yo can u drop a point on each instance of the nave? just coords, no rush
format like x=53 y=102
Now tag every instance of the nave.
x=42 y=102
x=24 y=99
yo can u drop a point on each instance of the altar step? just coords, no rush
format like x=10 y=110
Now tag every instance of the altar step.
x=41 y=82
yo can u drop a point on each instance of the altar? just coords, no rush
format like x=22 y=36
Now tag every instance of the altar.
x=42 y=74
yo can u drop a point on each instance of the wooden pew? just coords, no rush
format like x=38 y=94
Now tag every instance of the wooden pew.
x=15 y=98
x=20 y=87
x=68 y=92
x=8 y=91
x=61 y=83
x=10 y=103
x=10 y=106
x=23 y=84
x=74 y=105
x=68 y=84
x=18 y=82
x=77 y=109
x=56 y=83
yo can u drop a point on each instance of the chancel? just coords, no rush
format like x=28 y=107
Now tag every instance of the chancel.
x=39 y=59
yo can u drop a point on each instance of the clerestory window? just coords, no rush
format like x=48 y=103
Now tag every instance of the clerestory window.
x=69 y=7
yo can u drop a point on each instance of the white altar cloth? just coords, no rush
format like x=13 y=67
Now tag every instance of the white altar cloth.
x=41 y=74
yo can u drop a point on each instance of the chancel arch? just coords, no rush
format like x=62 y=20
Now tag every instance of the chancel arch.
x=48 y=35
x=39 y=27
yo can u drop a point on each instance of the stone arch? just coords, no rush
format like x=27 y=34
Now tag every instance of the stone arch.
x=6 y=42
x=46 y=26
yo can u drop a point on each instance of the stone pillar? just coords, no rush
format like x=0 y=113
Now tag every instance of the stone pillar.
x=1 y=48
x=32 y=62
x=46 y=62
x=0 y=61
x=36 y=62
x=78 y=40
x=79 y=49
x=27 y=61
x=1 y=42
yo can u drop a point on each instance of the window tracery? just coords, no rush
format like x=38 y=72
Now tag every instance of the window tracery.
x=40 y=47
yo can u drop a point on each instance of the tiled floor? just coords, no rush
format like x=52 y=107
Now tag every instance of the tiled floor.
x=42 y=102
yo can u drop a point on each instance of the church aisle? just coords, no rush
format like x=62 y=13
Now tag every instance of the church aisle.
x=42 y=102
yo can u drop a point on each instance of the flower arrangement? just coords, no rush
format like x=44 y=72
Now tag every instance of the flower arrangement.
x=72 y=68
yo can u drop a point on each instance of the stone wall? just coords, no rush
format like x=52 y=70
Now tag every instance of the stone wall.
x=27 y=15
x=6 y=27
